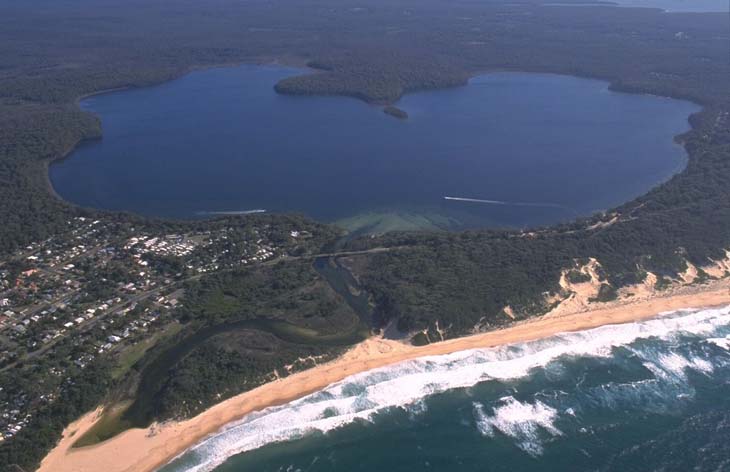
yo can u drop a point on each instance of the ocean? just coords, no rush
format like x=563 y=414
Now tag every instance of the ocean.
x=649 y=395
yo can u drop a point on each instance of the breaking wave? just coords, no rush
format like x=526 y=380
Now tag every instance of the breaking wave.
x=362 y=397
x=521 y=421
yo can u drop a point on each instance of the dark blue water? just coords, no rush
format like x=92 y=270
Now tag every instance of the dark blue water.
x=679 y=6
x=223 y=140
x=646 y=396
x=669 y=6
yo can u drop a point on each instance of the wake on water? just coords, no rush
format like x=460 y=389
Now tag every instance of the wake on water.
x=363 y=396
x=506 y=203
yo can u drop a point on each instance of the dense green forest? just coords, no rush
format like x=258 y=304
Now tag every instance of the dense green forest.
x=242 y=328
x=88 y=389
x=52 y=53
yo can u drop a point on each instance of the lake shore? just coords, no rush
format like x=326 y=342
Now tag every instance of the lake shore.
x=147 y=449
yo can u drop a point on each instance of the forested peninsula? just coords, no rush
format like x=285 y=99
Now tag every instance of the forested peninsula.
x=395 y=112
x=317 y=295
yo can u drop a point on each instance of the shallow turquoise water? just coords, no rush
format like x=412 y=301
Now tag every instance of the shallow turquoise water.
x=223 y=140
x=652 y=395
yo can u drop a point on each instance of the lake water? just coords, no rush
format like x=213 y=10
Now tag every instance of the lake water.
x=541 y=148
x=679 y=6
x=669 y=6
x=646 y=396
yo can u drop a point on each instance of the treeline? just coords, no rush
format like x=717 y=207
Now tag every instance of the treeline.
x=381 y=78
x=290 y=291
x=80 y=394
x=241 y=326
x=29 y=136
x=229 y=364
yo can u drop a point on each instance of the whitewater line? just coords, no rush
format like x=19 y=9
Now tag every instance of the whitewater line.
x=362 y=396
x=149 y=449
x=502 y=202
x=476 y=200
x=232 y=212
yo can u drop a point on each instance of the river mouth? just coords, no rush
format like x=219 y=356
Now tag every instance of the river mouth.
x=507 y=150
x=141 y=410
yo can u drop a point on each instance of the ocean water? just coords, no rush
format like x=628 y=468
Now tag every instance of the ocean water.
x=651 y=395
x=535 y=148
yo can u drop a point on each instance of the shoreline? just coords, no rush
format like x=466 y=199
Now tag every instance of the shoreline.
x=94 y=211
x=147 y=449
x=77 y=103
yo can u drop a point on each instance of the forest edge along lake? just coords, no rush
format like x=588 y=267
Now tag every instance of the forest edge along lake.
x=509 y=149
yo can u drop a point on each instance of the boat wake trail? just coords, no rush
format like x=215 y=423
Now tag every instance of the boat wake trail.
x=232 y=212
x=506 y=203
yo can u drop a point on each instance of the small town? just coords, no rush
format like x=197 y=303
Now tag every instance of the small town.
x=104 y=290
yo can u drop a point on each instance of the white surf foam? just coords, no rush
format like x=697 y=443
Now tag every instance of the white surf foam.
x=673 y=366
x=361 y=397
x=521 y=421
x=723 y=343
x=666 y=390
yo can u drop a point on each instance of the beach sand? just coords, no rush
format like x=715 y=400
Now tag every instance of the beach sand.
x=140 y=450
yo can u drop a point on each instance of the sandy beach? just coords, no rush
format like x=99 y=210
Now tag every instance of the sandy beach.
x=140 y=450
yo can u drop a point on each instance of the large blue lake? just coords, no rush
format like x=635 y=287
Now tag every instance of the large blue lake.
x=683 y=6
x=669 y=6
x=543 y=148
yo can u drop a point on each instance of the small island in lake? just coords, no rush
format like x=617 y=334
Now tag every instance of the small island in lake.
x=395 y=111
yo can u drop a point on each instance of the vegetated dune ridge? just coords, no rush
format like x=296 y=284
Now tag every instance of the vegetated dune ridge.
x=147 y=449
